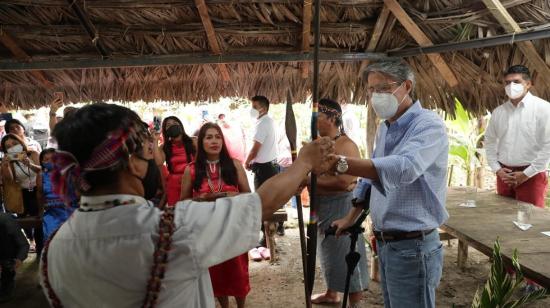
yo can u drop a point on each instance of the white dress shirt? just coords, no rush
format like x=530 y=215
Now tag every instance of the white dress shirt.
x=520 y=136
x=266 y=135
x=104 y=258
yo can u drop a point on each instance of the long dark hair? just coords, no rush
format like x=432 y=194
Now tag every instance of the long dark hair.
x=228 y=169
x=96 y=122
x=167 y=145
x=16 y=138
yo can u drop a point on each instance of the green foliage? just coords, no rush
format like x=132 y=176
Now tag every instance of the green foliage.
x=501 y=287
x=464 y=139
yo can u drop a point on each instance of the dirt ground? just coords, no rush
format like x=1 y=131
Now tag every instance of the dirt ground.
x=281 y=285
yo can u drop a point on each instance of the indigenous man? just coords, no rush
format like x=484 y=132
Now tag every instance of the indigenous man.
x=335 y=201
x=517 y=140
x=131 y=253
x=408 y=187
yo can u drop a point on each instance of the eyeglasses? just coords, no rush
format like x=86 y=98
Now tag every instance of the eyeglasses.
x=381 y=88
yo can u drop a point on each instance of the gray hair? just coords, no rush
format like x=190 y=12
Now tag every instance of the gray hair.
x=397 y=70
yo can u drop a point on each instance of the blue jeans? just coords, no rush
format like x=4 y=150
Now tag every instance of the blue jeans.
x=410 y=271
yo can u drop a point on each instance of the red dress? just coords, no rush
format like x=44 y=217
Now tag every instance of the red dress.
x=173 y=180
x=229 y=278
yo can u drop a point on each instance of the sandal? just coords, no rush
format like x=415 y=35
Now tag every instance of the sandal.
x=265 y=253
x=323 y=299
x=255 y=255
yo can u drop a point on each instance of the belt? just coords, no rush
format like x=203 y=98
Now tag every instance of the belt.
x=273 y=162
x=394 y=236
x=518 y=168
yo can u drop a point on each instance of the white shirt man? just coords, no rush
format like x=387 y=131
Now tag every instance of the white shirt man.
x=517 y=141
x=265 y=134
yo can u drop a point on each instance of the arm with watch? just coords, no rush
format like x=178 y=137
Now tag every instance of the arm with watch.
x=338 y=182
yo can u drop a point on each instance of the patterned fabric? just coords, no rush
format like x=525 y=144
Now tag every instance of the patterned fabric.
x=411 y=160
x=68 y=175
x=55 y=210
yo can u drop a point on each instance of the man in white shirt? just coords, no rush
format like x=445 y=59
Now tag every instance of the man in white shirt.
x=517 y=140
x=117 y=250
x=262 y=158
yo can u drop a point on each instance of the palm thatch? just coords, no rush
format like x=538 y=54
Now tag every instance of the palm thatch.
x=50 y=28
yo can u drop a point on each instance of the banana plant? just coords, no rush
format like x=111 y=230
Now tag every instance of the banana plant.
x=464 y=139
x=501 y=287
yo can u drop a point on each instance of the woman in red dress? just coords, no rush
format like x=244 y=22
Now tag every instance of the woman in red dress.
x=177 y=152
x=215 y=174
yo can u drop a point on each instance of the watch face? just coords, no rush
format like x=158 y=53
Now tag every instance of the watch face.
x=342 y=166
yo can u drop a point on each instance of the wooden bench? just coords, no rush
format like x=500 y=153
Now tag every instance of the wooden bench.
x=29 y=222
x=270 y=227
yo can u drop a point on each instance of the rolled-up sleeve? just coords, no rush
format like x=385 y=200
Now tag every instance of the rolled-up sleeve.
x=411 y=159
x=223 y=229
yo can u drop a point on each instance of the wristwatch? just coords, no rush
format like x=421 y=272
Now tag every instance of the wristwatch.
x=342 y=165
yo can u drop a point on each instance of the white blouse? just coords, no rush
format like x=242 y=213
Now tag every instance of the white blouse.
x=104 y=258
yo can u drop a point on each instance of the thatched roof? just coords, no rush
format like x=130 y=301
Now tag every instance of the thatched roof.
x=52 y=30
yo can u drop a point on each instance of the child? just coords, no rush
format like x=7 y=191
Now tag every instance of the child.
x=56 y=212
x=13 y=251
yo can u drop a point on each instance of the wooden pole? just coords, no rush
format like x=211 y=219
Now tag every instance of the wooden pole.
x=314 y=201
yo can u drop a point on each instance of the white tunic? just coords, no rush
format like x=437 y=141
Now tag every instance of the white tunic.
x=104 y=258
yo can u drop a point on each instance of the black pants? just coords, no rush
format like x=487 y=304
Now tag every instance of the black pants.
x=7 y=278
x=30 y=203
x=262 y=173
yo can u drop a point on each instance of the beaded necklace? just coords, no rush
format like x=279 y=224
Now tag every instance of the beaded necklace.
x=211 y=185
x=160 y=256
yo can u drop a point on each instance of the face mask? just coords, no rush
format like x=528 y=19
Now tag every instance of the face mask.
x=16 y=149
x=174 y=131
x=254 y=113
x=385 y=104
x=47 y=166
x=151 y=180
x=514 y=90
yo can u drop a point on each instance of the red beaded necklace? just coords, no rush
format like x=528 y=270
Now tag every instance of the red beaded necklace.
x=160 y=259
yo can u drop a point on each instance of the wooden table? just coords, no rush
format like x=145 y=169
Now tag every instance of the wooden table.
x=492 y=218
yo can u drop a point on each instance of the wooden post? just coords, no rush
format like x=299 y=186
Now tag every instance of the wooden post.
x=462 y=258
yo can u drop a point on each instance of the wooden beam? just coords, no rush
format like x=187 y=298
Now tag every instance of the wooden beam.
x=527 y=48
x=306 y=34
x=377 y=33
x=485 y=42
x=170 y=4
x=21 y=55
x=88 y=26
x=53 y=63
x=211 y=36
x=422 y=39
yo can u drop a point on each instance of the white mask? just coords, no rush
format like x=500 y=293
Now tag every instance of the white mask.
x=514 y=90
x=385 y=104
x=16 y=149
x=254 y=113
